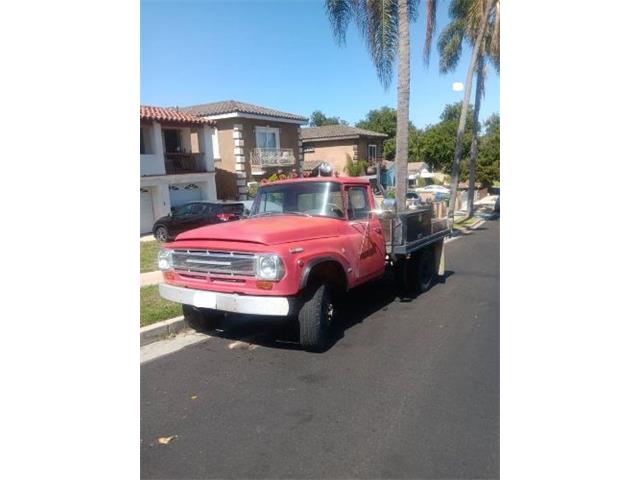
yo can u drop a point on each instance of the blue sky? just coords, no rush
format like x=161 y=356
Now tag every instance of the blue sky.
x=281 y=54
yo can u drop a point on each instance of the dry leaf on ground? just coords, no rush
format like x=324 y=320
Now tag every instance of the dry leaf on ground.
x=166 y=440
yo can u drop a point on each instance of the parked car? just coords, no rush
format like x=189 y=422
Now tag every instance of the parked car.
x=196 y=214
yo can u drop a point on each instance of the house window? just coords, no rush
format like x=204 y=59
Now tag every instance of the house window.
x=267 y=138
x=372 y=152
x=172 y=142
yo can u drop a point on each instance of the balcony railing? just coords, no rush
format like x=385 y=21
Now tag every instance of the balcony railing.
x=272 y=157
x=176 y=163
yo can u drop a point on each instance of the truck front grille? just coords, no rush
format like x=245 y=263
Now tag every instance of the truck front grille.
x=215 y=263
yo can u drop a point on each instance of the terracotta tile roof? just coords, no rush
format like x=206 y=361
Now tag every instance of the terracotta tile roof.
x=327 y=132
x=232 y=106
x=171 y=115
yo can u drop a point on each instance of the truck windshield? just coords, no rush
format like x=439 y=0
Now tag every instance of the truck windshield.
x=306 y=198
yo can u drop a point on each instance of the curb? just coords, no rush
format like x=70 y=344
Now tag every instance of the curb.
x=462 y=232
x=472 y=226
x=159 y=330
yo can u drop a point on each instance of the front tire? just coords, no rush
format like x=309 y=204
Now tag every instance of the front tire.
x=315 y=318
x=202 y=319
x=161 y=233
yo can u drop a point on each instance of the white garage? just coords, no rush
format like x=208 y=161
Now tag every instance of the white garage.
x=183 y=193
x=146 y=211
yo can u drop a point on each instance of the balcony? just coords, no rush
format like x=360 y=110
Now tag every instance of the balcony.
x=177 y=163
x=271 y=157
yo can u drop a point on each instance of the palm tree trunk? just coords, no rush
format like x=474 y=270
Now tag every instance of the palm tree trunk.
x=455 y=168
x=474 y=139
x=402 y=127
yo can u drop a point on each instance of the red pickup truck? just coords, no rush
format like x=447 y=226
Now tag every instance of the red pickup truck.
x=306 y=242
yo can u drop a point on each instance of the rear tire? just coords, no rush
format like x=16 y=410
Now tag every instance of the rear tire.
x=422 y=270
x=315 y=318
x=201 y=319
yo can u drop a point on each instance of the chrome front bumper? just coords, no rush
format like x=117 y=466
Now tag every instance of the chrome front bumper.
x=227 y=302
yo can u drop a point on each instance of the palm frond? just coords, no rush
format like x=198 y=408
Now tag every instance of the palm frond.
x=413 y=9
x=494 y=43
x=379 y=24
x=450 y=45
x=340 y=13
x=431 y=26
x=466 y=17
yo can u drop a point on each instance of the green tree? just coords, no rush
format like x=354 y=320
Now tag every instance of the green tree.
x=489 y=152
x=435 y=145
x=381 y=120
x=384 y=120
x=465 y=25
x=385 y=26
x=319 y=119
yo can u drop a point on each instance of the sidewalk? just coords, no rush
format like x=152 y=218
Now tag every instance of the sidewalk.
x=150 y=278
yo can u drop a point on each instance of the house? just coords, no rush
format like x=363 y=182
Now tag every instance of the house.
x=332 y=144
x=252 y=143
x=176 y=161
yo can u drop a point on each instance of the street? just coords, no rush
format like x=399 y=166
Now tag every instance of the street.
x=409 y=389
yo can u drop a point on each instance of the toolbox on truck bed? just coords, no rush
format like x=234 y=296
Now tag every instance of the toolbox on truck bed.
x=411 y=230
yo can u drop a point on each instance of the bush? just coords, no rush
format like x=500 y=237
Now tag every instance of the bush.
x=354 y=169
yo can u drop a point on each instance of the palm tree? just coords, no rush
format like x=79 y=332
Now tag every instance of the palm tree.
x=384 y=24
x=470 y=17
x=465 y=20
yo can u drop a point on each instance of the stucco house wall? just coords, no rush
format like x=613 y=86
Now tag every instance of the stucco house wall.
x=334 y=152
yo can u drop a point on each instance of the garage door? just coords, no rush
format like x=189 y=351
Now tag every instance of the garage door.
x=146 y=211
x=181 y=194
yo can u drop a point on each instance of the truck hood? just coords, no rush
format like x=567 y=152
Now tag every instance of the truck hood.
x=268 y=230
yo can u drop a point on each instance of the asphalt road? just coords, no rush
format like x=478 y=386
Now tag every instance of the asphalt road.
x=409 y=389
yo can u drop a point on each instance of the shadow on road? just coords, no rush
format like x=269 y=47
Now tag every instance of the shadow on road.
x=282 y=332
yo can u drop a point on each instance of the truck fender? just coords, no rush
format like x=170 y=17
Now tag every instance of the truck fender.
x=318 y=260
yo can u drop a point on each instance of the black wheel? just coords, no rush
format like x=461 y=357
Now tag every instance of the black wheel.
x=201 y=319
x=315 y=318
x=422 y=271
x=161 y=233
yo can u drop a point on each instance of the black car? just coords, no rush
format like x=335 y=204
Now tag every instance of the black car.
x=196 y=214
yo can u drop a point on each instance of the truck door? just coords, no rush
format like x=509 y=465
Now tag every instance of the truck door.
x=366 y=238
